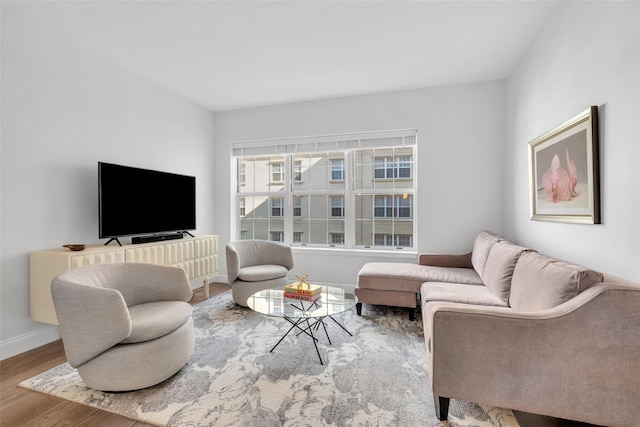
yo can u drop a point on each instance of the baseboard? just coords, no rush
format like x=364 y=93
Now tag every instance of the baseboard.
x=28 y=341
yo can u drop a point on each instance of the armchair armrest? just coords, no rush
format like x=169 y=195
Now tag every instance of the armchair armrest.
x=233 y=264
x=442 y=260
x=91 y=319
x=576 y=361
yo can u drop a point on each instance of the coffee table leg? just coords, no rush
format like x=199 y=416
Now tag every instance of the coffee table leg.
x=295 y=324
x=325 y=330
x=338 y=323
x=315 y=344
x=308 y=331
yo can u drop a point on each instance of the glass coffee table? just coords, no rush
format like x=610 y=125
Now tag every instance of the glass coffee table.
x=306 y=317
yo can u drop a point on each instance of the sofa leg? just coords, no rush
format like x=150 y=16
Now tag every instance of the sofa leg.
x=359 y=308
x=442 y=407
x=412 y=314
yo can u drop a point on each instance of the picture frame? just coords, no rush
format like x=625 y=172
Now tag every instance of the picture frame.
x=564 y=171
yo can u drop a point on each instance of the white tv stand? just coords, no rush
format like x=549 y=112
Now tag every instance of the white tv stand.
x=197 y=256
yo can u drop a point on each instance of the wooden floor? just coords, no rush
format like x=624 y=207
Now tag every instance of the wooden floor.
x=22 y=407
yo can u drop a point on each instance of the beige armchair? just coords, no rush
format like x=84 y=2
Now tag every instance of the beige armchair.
x=124 y=326
x=255 y=265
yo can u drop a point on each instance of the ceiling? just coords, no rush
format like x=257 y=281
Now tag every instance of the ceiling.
x=227 y=55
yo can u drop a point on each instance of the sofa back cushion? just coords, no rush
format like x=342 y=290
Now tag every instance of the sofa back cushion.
x=540 y=282
x=499 y=268
x=481 y=247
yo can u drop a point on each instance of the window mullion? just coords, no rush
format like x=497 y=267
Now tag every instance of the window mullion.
x=288 y=199
x=349 y=199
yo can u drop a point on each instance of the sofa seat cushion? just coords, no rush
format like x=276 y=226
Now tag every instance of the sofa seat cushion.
x=259 y=273
x=459 y=293
x=540 y=282
x=499 y=268
x=481 y=247
x=407 y=277
x=156 y=319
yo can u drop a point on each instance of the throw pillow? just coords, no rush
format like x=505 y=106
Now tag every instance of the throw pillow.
x=481 y=247
x=499 y=268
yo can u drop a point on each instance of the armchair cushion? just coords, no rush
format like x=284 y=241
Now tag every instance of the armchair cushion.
x=156 y=319
x=258 y=273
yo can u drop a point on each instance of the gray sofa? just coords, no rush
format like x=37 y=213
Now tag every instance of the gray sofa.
x=509 y=327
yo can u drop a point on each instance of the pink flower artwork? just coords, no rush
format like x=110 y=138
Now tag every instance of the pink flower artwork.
x=573 y=176
x=556 y=182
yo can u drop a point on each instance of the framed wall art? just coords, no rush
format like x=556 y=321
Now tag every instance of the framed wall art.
x=564 y=166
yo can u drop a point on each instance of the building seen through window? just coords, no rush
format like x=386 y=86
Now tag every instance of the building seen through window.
x=355 y=191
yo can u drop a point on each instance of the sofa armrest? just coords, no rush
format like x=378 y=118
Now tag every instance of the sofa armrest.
x=441 y=260
x=577 y=361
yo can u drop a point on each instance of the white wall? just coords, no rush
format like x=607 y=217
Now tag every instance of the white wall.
x=460 y=144
x=588 y=54
x=63 y=110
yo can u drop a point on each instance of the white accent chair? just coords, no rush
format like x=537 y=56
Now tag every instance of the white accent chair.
x=255 y=265
x=125 y=326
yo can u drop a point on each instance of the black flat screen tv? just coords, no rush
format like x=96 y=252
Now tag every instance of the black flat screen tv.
x=135 y=201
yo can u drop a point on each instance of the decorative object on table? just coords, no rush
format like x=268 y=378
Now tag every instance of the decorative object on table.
x=302 y=297
x=565 y=182
x=303 y=290
x=74 y=246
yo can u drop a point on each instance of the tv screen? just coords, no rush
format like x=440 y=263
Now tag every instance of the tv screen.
x=134 y=201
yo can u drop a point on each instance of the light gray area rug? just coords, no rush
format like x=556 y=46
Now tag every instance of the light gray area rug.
x=378 y=377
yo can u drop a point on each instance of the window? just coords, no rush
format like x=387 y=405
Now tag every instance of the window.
x=392 y=206
x=297 y=206
x=389 y=240
x=297 y=170
x=404 y=167
x=384 y=168
x=390 y=167
x=276 y=206
x=337 y=238
x=337 y=169
x=337 y=207
x=383 y=207
x=242 y=174
x=355 y=190
x=243 y=209
x=277 y=172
